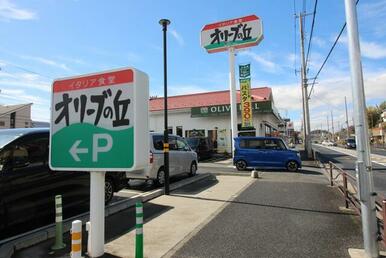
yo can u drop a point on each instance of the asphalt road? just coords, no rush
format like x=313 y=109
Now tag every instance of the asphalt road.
x=347 y=163
x=378 y=151
x=280 y=215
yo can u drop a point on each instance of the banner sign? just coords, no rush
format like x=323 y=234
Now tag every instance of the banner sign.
x=245 y=95
x=245 y=71
x=246 y=105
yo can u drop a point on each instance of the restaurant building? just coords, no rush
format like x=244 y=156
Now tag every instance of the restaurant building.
x=208 y=114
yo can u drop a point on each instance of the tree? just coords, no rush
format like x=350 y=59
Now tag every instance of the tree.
x=382 y=106
x=372 y=116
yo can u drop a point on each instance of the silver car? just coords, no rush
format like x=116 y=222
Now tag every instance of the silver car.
x=182 y=159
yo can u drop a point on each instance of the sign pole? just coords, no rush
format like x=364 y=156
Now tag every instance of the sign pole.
x=233 y=96
x=363 y=165
x=97 y=213
x=165 y=23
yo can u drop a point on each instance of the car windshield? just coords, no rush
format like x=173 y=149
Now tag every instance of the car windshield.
x=350 y=140
x=193 y=142
x=7 y=136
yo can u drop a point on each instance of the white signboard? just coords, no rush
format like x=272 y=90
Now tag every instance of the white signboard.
x=238 y=33
x=99 y=122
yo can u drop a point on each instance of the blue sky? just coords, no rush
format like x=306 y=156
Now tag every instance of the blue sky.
x=46 y=39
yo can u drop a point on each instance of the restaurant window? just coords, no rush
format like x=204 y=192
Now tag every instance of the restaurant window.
x=12 y=120
x=195 y=133
x=268 y=130
x=179 y=131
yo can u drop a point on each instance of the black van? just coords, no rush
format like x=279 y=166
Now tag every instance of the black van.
x=203 y=146
x=28 y=186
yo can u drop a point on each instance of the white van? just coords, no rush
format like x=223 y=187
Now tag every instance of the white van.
x=182 y=159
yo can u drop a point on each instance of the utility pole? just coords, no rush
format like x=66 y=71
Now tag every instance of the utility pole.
x=366 y=192
x=345 y=104
x=332 y=126
x=306 y=113
x=328 y=128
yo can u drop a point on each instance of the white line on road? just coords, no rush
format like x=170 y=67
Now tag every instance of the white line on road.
x=378 y=159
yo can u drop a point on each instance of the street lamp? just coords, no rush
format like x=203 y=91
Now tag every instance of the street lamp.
x=164 y=23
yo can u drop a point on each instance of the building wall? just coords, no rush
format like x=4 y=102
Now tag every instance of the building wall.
x=22 y=119
x=219 y=123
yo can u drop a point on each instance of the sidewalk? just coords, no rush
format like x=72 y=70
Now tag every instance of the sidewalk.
x=279 y=215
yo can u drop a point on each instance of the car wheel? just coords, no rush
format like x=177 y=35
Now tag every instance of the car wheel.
x=193 y=169
x=160 y=177
x=109 y=189
x=292 y=166
x=241 y=165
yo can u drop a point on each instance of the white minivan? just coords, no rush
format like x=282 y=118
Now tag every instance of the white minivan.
x=182 y=159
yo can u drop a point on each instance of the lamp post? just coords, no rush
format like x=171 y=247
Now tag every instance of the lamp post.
x=164 y=23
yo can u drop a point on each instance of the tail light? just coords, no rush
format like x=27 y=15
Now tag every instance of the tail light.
x=151 y=158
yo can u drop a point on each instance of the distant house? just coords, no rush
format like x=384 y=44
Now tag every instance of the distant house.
x=15 y=116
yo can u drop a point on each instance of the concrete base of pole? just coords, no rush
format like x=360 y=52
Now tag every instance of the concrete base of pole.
x=254 y=173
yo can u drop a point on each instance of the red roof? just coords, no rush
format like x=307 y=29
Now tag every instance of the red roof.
x=207 y=99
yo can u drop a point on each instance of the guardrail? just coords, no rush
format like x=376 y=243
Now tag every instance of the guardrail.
x=347 y=185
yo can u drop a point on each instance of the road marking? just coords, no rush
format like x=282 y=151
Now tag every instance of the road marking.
x=378 y=159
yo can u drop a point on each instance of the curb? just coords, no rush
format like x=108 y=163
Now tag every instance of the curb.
x=231 y=173
x=10 y=245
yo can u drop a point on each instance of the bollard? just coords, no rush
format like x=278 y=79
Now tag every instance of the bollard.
x=254 y=173
x=58 y=224
x=138 y=230
x=76 y=239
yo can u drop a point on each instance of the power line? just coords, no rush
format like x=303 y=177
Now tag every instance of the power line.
x=295 y=46
x=312 y=30
x=27 y=70
x=329 y=53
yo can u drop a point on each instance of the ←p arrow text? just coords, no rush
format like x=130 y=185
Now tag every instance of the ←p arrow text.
x=74 y=150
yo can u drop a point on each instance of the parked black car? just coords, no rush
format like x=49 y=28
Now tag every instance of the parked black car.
x=28 y=186
x=203 y=146
x=350 y=143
